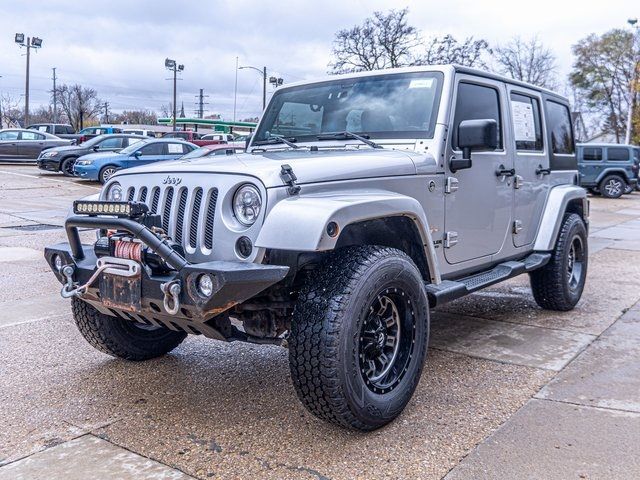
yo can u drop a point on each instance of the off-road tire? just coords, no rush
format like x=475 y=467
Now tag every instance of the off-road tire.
x=325 y=345
x=66 y=167
x=122 y=338
x=628 y=189
x=103 y=173
x=608 y=183
x=552 y=285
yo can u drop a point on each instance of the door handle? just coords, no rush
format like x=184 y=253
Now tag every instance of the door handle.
x=543 y=171
x=505 y=172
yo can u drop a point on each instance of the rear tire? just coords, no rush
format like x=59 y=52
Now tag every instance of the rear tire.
x=359 y=337
x=106 y=173
x=66 y=167
x=559 y=284
x=612 y=186
x=123 y=338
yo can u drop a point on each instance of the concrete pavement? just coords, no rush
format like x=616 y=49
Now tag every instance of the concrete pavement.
x=508 y=391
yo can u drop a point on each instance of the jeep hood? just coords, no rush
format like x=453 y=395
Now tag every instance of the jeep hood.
x=308 y=166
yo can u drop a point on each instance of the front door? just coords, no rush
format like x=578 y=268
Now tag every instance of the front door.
x=9 y=144
x=478 y=209
x=531 y=182
x=148 y=154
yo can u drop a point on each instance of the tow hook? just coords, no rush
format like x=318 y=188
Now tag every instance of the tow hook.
x=171 y=299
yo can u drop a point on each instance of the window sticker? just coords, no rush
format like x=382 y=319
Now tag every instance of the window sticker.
x=421 y=83
x=174 y=147
x=523 y=122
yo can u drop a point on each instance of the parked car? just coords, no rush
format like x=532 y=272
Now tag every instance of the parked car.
x=62 y=159
x=21 y=144
x=60 y=130
x=221 y=137
x=192 y=137
x=90 y=132
x=213 y=150
x=138 y=131
x=383 y=195
x=608 y=169
x=101 y=166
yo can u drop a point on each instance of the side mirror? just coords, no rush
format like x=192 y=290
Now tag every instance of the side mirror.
x=474 y=135
x=247 y=141
x=95 y=148
x=137 y=153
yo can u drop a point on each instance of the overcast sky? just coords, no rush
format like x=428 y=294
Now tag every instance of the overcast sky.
x=118 y=47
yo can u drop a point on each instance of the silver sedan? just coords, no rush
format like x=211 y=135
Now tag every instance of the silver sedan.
x=24 y=145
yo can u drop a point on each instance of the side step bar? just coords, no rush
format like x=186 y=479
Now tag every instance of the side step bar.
x=449 y=290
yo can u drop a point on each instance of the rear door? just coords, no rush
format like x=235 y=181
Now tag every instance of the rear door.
x=30 y=144
x=478 y=211
x=590 y=164
x=9 y=144
x=619 y=158
x=531 y=182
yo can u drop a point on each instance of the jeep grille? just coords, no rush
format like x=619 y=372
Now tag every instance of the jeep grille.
x=187 y=214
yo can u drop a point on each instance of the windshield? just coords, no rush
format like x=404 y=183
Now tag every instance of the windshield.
x=402 y=105
x=91 y=142
x=133 y=147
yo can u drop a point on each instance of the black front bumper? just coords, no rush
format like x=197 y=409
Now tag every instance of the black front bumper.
x=233 y=282
x=49 y=164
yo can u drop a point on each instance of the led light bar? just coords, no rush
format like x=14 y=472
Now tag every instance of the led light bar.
x=117 y=209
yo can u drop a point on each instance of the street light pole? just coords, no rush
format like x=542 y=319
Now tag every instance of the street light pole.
x=633 y=87
x=263 y=73
x=32 y=42
x=175 y=68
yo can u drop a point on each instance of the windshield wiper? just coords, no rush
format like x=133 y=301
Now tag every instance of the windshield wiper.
x=347 y=134
x=278 y=139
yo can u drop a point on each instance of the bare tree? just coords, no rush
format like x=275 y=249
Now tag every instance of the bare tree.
x=447 y=49
x=385 y=40
x=10 y=111
x=80 y=104
x=601 y=73
x=136 y=117
x=528 y=61
x=166 y=110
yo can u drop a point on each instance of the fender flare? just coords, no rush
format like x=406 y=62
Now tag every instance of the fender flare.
x=300 y=223
x=613 y=171
x=557 y=201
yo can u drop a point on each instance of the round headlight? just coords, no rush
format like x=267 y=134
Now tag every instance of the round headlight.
x=247 y=204
x=114 y=192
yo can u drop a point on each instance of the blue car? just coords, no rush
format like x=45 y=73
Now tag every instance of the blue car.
x=100 y=166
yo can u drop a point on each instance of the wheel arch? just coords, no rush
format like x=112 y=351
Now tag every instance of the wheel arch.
x=612 y=171
x=562 y=199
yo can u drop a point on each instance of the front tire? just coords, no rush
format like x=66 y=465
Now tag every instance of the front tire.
x=123 y=338
x=612 y=186
x=559 y=284
x=106 y=173
x=359 y=337
x=66 y=167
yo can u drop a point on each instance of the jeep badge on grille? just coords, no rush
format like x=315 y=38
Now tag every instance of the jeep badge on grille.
x=172 y=180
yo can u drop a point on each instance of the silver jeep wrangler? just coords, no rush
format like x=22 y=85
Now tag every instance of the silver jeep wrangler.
x=362 y=201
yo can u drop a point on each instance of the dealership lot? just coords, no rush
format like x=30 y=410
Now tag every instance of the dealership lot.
x=508 y=388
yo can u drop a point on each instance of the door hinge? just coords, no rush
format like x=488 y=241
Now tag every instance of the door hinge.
x=450 y=239
x=518 y=181
x=451 y=185
x=517 y=227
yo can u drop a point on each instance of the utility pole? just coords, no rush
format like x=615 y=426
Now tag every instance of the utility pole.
x=201 y=103
x=55 y=98
x=635 y=79
x=32 y=42
x=173 y=66
x=1 y=109
x=262 y=72
x=235 y=92
x=106 y=112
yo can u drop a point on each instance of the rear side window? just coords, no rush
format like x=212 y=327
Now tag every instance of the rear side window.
x=153 y=149
x=173 y=148
x=559 y=124
x=31 y=136
x=618 y=154
x=592 y=154
x=476 y=102
x=527 y=122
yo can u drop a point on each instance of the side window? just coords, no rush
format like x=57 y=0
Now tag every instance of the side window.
x=131 y=140
x=592 y=154
x=618 y=154
x=559 y=124
x=11 y=135
x=186 y=148
x=527 y=122
x=476 y=102
x=174 y=148
x=31 y=136
x=110 y=143
x=153 y=149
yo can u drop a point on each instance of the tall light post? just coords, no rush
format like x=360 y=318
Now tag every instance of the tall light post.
x=175 y=68
x=633 y=88
x=262 y=72
x=35 y=43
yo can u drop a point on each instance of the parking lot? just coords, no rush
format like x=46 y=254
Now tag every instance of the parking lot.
x=508 y=388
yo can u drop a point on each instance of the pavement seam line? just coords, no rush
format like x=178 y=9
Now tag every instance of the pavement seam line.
x=2 y=465
x=41 y=319
x=594 y=407
x=495 y=360
x=49 y=179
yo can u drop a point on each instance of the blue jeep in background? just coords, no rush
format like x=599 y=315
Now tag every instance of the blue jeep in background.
x=608 y=169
